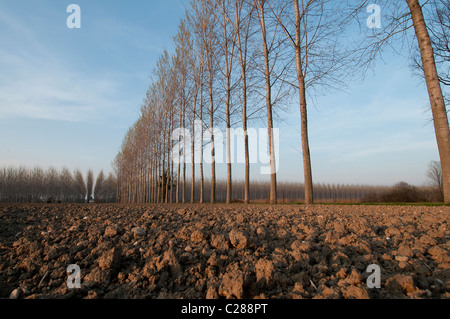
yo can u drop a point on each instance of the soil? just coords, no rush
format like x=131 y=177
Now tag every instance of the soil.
x=224 y=251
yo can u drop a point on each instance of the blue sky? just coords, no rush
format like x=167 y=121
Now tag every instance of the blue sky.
x=68 y=96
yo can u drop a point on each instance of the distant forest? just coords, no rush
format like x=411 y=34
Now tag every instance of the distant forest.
x=293 y=192
x=36 y=185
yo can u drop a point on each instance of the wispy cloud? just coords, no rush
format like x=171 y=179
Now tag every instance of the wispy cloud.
x=38 y=83
x=385 y=147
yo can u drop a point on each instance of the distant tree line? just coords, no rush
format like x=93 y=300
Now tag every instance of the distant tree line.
x=294 y=192
x=36 y=185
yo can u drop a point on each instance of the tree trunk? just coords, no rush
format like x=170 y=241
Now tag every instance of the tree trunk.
x=202 y=179
x=183 y=196
x=171 y=169
x=213 y=158
x=169 y=139
x=307 y=171
x=244 y=103
x=153 y=175
x=179 y=167
x=149 y=176
x=228 y=66
x=247 y=156
x=193 y=151
x=273 y=176
x=158 y=172
x=228 y=199
x=438 y=109
x=163 y=168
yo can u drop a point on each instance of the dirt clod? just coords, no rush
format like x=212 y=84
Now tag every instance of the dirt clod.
x=232 y=285
x=238 y=239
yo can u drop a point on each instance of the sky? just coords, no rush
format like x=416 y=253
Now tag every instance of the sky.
x=68 y=97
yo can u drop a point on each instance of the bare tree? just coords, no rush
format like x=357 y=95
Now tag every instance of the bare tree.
x=266 y=52
x=196 y=66
x=98 y=188
x=183 y=52
x=80 y=186
x=89 y=185
x=202 y=12
x=434 y=175
x=198 y=21
x=435 y=93
x=409 y=15
x=51 y=184
x=300 y=62
x=67 y=185
x=37 y=180
x=313 y=29
x=197 y=72
x=110 y=188
x=228 y=45
x=200 y=138
x=241 y=24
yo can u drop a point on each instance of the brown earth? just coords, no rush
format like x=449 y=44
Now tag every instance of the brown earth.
x=224 y=251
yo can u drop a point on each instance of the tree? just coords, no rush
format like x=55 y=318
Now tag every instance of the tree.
x=261 y=12
x=37 y=182
x=314 y=33
x=89 y=185
x=409 y=15
x=198 y=22
x=67 y=185
x=110 y=188
x=228 y=41
x=182 y=57
x=242 y=24
x=80 y=187
x=301 y=69
x=434 y=175
x=99 y=187
x=205 y=29
x=438 y=109
x=196 y=65
x=211 y=47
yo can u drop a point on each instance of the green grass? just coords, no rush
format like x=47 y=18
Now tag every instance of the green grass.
x=378 y=204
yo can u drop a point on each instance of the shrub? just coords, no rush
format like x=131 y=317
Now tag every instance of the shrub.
x=402 y=192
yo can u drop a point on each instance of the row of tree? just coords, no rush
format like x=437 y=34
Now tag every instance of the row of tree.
x=293 y=192
x=237 y=61
x=36 y=185
x=23 y=185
